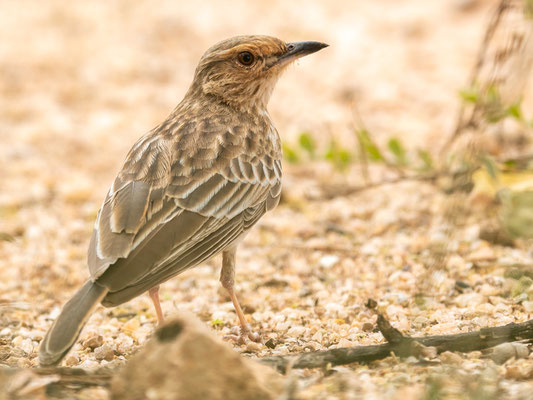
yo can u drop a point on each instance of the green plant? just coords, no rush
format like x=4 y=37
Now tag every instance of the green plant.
x=394 y=155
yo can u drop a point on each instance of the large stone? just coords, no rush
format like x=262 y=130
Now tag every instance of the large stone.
x=185 y=360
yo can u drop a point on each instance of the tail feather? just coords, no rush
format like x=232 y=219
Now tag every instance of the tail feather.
x=67 y=327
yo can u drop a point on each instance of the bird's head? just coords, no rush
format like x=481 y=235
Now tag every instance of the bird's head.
x=242 y=71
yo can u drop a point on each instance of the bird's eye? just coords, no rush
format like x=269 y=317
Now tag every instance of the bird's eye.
x=246 y=58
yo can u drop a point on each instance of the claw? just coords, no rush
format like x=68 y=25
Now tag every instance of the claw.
x=242 y=336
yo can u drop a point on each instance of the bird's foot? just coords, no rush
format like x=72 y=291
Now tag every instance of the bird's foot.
x=242 y=335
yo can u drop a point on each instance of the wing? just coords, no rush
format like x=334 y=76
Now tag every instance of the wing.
x=162 y=216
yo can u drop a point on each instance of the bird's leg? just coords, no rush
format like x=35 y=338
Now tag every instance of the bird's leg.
x=154 y=295
x=227 y=278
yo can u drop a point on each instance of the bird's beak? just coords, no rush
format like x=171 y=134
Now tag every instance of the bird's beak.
x=299 y=49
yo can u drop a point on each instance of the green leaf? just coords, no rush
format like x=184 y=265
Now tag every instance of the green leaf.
x=289 y=154
x=369 y=146
x=515 y=111
x=470 y=95
x=217 y=322
x=426 y=158
x=344 y=157
x=338 y=156
x=307 y=143
x=510 y=164
x=397 y=149
x=330 y=153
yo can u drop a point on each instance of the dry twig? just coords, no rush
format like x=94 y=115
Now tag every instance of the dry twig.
x=404 y=346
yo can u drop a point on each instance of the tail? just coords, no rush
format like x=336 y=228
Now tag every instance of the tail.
x=67 y=327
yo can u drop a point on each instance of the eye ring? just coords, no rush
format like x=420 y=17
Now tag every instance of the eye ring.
x=246 y=58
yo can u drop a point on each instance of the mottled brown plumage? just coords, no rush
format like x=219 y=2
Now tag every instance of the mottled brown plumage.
x=189 y=189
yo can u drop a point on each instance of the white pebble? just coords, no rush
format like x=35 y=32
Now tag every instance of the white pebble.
x=17 y=341
x=344 y=343
x=296 y=331
x=89 y=364
x=317 y=337
x=282 y=326
x=328 y=261
x=528 y=306
x=5 y=332
x=27 y=346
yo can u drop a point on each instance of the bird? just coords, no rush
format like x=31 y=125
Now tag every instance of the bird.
x=189 y=189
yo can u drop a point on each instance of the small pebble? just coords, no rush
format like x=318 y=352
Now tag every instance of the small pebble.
x=253 y=347
x=482 y=254
x=125 y=344
x=5 y=332
x=27 y=346
x=317 y=337
x=17 y=341
x=428 y=352
x=469 y=299
x=328 y=261
x=296 y=331
x=528 y=306
x=93 y=341
x=513 y=372
x=451 y=358
x=505 y=351
x=104 y=352
x=474 y=355
x=344 y=343
x=89 y=364
x=282 y=326
x=419 y=322
x=131 y=325
x=71 y=360
x=368 y=327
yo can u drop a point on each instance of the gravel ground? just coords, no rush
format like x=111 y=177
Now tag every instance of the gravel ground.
x=81 y=83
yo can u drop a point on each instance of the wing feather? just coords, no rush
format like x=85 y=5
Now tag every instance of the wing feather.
x=194 y=255
x=128 y=207
x=162 y=217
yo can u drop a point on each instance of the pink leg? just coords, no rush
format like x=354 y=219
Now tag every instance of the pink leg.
x=227 y=278
x=154 y=295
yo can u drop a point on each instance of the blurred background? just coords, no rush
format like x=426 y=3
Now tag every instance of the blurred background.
x=80 y=82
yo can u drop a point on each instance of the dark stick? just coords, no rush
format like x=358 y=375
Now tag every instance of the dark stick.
x=463 y=342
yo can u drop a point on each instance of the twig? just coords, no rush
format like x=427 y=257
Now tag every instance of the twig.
x=464 y=342
x=462 y=122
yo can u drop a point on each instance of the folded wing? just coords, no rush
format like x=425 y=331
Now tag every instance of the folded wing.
x=161 y=218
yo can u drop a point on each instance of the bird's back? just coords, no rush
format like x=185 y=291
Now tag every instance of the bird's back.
x=189 y=189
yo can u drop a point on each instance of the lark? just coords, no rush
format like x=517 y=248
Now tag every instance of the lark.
x=189 y=189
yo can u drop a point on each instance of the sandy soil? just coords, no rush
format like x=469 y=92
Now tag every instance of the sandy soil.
x=80 y=83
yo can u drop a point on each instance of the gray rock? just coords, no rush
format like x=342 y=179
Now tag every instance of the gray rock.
x=505 y=351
